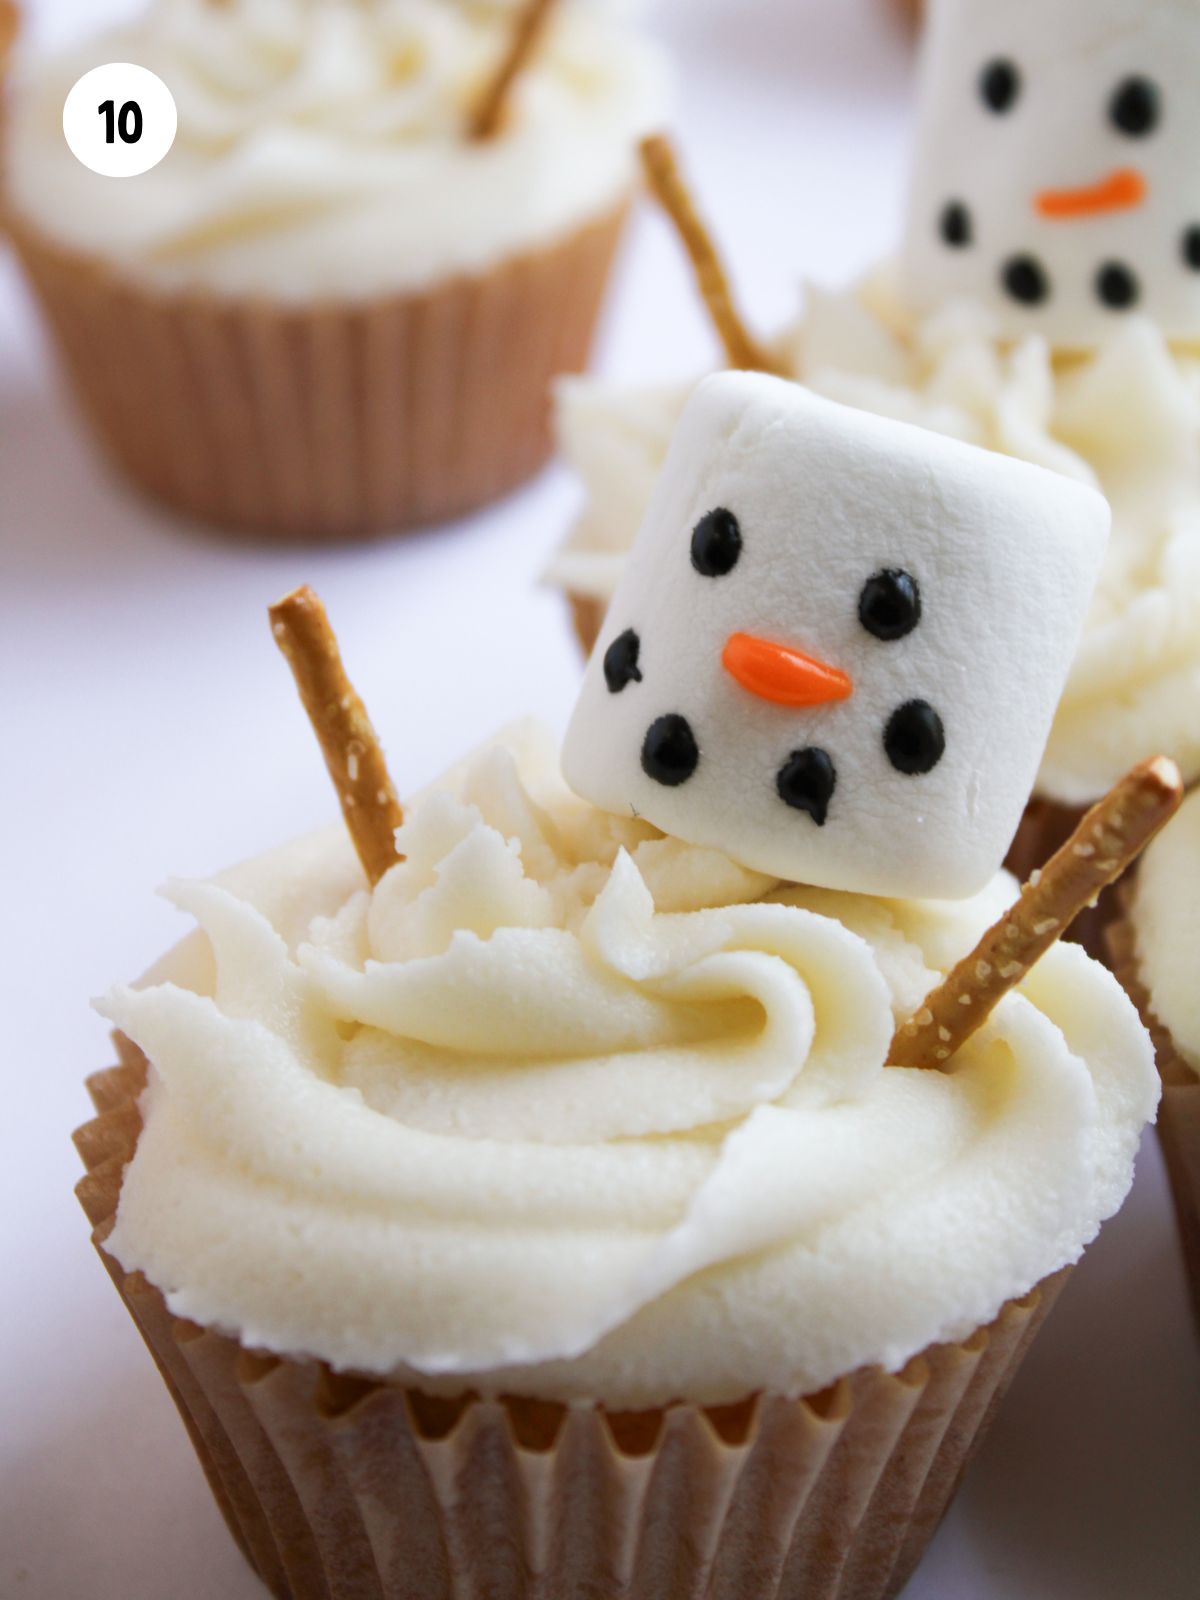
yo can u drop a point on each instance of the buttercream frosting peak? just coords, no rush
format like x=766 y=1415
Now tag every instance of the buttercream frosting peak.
x=567 y=1108
x=322 y=146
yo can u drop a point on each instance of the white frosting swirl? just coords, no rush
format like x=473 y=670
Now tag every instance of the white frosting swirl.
x=1126 y=419
x=320 y=149
x=570 y=1109
x=1166 y=924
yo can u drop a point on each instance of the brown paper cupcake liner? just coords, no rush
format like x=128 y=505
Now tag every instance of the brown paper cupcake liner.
x=1179 y=1111
x=10 y=24
x=341 y=1488
x=332 y=422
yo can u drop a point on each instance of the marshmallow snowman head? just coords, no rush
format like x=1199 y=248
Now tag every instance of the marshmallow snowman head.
x=1055 y=173
x=838 y=644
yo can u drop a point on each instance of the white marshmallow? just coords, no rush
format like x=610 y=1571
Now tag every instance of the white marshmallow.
x=1093 y=112
x=1003 y=556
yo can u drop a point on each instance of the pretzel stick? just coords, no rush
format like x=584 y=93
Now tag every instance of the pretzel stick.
x=489 y=113
x=661 y=166
x=348 y=742
x=1110 y=837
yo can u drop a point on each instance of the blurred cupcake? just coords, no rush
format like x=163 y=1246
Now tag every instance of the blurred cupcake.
x=1154 y=949
x=335 y=307
x=1126 y=420
x=1080 y=356
x=1045 y=306
x=9 y=23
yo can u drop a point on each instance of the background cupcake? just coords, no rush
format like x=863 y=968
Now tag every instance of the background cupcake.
x=1087 y=367
x=334 y=308
x=1154 y=949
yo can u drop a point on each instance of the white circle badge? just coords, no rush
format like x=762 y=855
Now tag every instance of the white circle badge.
x=120 y=120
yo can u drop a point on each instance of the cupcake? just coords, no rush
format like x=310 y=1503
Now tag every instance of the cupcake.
x=9 y=25
x=1045 y=308
x=1154 y=954
x=519 y=1194
x=335 y=307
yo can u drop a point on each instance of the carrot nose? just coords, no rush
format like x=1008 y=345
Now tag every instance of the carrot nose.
x=782 y=675
x=1120 y=191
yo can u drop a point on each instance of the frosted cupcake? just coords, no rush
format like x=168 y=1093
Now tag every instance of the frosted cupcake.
x=550 y=1201
x=336 y=306
x=1154 y=950
x=1046 y=304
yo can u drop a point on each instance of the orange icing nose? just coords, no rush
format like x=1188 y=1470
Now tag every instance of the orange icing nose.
x=782 y=675
x=1120 y=191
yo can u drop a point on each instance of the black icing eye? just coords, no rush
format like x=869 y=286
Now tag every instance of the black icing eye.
x=1189 y=247
x=1135 y=107
x=670 y=753
x=890 y=604
x=914 y=739
x=621 y=661
x=806 y=782
x=1000 y=86
x=716 y=543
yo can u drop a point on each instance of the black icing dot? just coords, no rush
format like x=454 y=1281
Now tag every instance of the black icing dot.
x=1000 y=85
x=955 y=225
x=914 y=739
x=716 y=543
x=669 y=751
x=1135 y=107
x=1190 y=247
x=1116 y=286
x=890 y=604
x=1025 y=279
x=806 y=782
x=621 y=661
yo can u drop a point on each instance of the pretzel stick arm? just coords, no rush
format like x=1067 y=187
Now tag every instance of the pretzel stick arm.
x=488 y=116
x=1111 y=836
x=661 y=166
x=348 y=742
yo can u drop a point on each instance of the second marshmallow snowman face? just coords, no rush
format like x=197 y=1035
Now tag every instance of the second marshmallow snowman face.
x=838 y=644
x=1055 y=174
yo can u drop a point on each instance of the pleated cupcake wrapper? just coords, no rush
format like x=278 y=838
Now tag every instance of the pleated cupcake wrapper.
x=340 y=1488
x=1179 y=1112
x=333 y=422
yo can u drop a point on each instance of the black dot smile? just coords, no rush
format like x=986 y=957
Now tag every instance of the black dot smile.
x=670 y=754
x=914 y=739
x=1116 y=286
x=956 y=226
x=621 y=661
x=1025 y=280
x=806 y=782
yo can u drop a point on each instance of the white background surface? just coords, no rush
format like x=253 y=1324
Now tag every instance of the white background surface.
x=149 y=727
